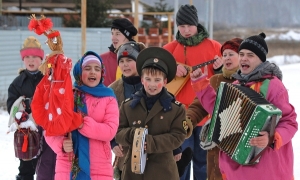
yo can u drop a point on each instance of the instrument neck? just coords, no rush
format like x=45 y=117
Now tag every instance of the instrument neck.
x=203 y=64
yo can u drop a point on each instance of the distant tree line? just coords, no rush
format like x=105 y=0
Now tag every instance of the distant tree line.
x=229 y=13
x=96 y=14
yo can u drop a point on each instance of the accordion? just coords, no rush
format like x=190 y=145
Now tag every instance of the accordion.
x=239 y=114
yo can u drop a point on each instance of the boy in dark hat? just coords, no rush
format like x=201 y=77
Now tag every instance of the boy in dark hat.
x=128 y=84
x=122 y=31
x=153 y=108
x=265 y=78
x=192 y=47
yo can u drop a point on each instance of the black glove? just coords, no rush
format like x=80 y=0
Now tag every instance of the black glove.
x=27 y=102
x=186 y=158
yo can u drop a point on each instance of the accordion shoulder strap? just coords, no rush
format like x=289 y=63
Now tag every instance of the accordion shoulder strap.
x=256 y=86
x=261 y=87
x=264 y=87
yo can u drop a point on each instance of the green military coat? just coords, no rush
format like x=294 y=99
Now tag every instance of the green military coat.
x=118 y=88
x=166 y=132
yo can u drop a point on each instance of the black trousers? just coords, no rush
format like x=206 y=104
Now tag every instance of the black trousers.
x=27 y=169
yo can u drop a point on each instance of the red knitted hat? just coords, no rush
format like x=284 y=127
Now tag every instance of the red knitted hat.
x=232 y=44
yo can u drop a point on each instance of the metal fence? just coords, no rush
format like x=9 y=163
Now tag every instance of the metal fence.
x=97 y=39
x=17 y=22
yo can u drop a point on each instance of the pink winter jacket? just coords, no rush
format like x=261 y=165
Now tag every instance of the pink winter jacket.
x=100 y=126
x=274 y=164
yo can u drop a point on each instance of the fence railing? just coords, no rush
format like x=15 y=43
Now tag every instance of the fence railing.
x=97 y=39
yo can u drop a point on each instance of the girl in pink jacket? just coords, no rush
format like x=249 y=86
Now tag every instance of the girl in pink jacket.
x=85 y=153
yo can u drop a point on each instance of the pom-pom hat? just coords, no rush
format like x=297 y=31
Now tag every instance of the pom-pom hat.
x=31 y=47
x=257 y=45
x=159 y=58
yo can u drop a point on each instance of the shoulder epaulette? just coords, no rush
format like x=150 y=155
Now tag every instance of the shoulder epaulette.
x=128 y=99
x=177 y=102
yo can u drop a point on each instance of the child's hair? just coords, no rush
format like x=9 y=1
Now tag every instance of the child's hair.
x=153 y=71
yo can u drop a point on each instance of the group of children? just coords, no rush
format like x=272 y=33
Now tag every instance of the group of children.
x=139 y=99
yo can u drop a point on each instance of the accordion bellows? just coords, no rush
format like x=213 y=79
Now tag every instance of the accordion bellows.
x=239 y=114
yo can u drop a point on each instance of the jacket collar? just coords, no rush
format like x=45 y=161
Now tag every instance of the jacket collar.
x=165 y=99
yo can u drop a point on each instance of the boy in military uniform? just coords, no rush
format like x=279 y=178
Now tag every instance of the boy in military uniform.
x=153 y=108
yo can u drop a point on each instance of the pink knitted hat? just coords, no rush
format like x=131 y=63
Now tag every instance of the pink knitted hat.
x=90 y=59
x=32 y=47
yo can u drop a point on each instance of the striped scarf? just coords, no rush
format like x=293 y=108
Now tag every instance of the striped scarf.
x=194 y=40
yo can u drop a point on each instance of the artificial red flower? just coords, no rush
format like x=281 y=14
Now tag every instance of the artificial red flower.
x=33 y=23
x=39 y=26
x=46 y=23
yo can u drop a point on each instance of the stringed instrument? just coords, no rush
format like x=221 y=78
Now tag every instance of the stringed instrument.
x=177 y=83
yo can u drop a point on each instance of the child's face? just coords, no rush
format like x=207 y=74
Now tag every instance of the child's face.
x=91 y=74
x=153 y=84
x=117 y=38
x=128 y=67
x=32 y=63
x=248 y=61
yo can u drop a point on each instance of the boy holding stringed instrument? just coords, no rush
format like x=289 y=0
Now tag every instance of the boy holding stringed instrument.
x=192 y=48
x=157 y=116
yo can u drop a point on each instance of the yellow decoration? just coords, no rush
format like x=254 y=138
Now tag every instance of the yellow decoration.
x=118 y=73
x=184 y=125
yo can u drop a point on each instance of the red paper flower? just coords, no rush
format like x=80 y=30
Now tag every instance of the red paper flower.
x=46 y=23
x=33 y=24
x=39 y=26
